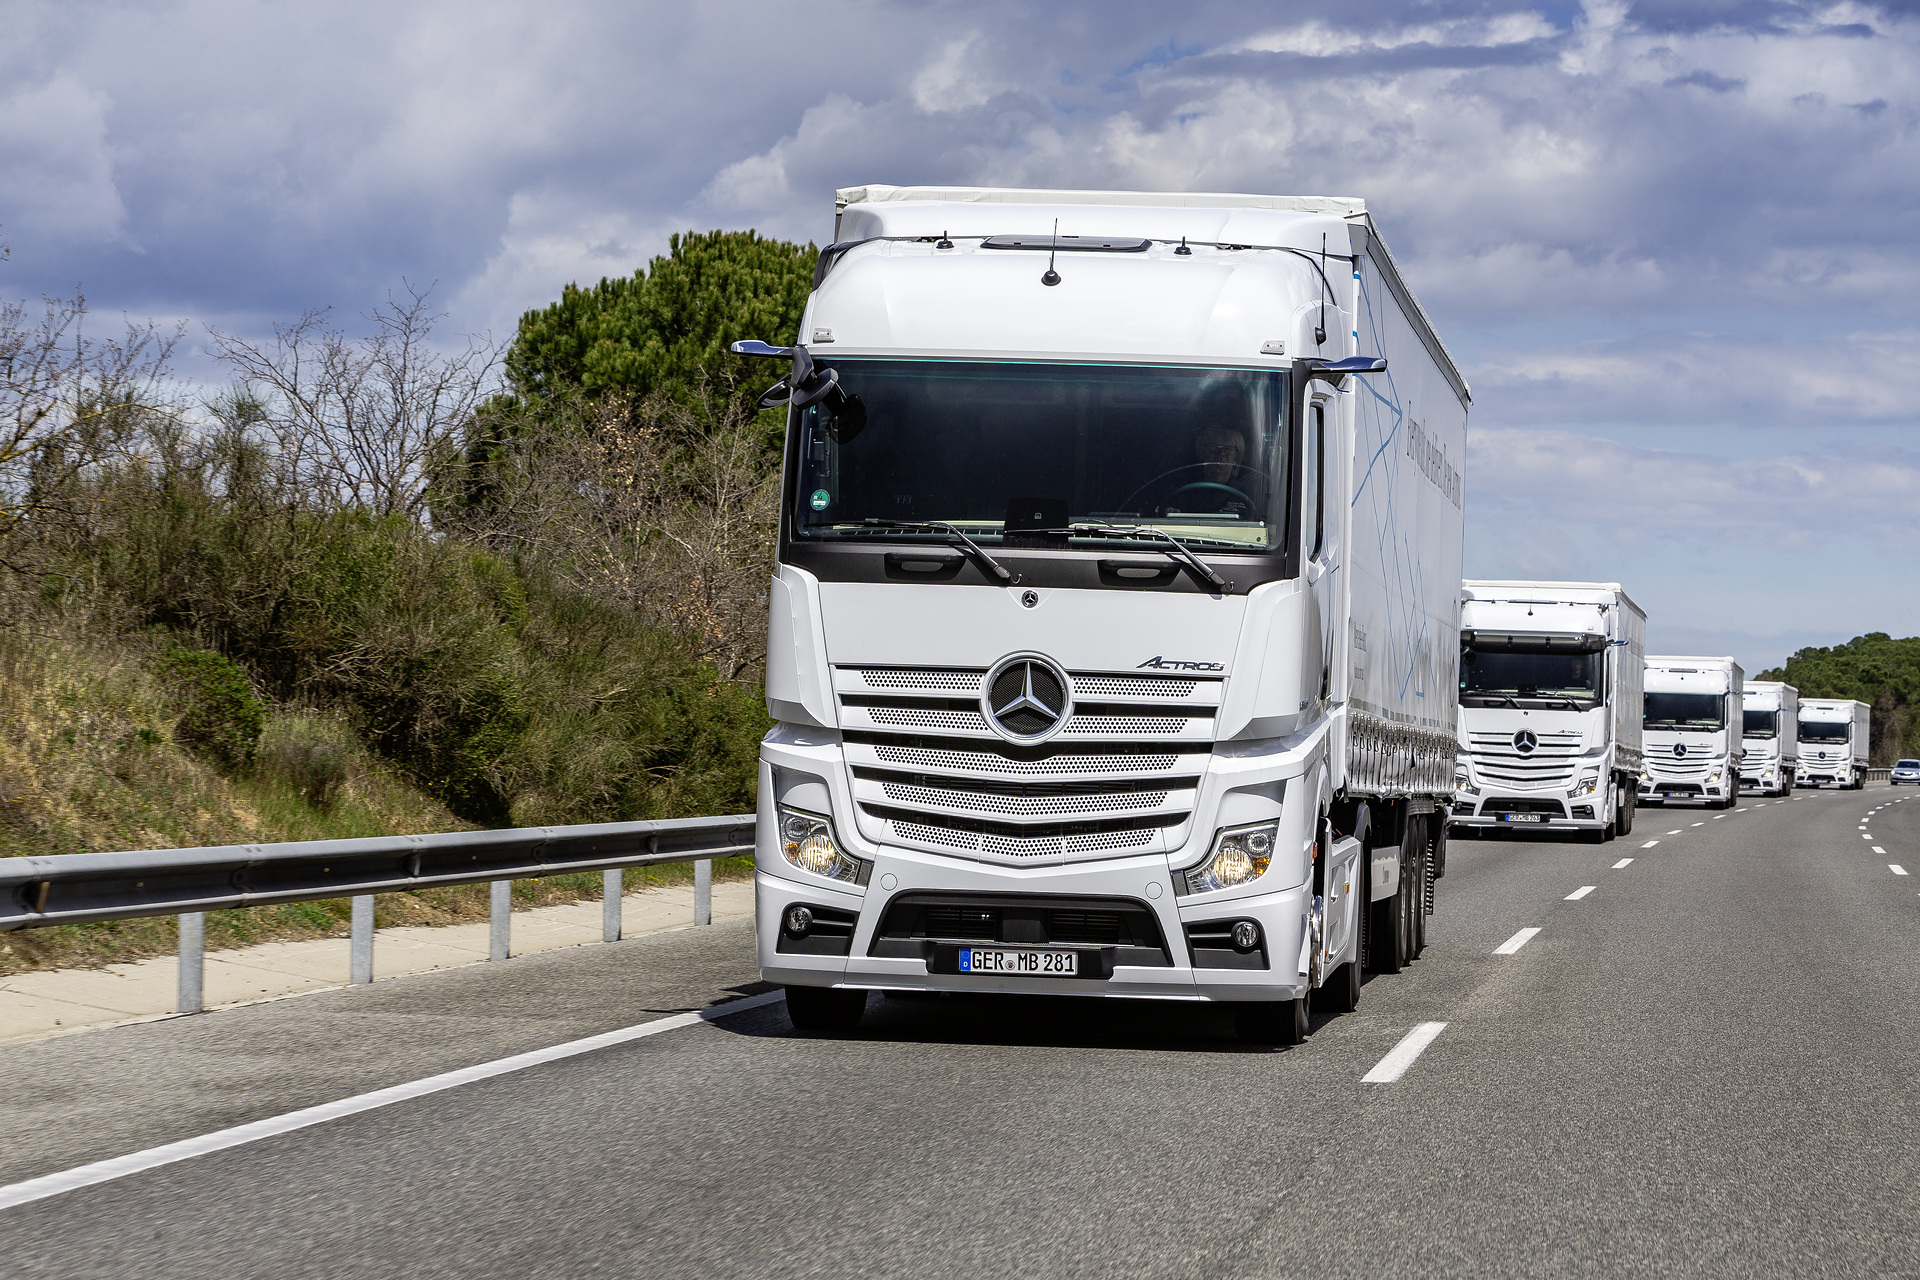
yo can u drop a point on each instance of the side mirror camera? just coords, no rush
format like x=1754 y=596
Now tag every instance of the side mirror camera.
x=1334 y=370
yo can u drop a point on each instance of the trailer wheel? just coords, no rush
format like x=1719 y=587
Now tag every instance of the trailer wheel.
x=1388 y=931
x=1271 y=1021
x=825 y=1008
x=1417 y=900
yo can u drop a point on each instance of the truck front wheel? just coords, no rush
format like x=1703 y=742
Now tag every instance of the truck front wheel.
x=825 y=1008
x=1271 y=1021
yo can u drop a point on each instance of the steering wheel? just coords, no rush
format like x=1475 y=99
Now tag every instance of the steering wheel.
x=1194 y=486
x=1210 y=486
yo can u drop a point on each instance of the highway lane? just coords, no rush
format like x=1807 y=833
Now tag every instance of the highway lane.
x=1703 y=1066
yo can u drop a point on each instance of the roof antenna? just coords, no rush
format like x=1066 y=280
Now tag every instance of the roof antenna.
x=1183 y=251
x=1320 y=316
x=944 y=242
x=1052 y=277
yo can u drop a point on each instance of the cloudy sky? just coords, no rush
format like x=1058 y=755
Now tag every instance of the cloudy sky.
x=1674 y=243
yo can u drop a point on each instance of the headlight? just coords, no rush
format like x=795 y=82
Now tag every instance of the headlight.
x=1463 y=780
x=1585 y=787
x=1240 y=856
x=807 y=841
x=1714 y=776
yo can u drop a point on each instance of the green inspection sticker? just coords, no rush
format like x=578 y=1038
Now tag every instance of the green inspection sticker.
x=820 y=499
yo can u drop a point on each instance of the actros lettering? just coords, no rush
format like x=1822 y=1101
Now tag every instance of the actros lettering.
x=1174 y=664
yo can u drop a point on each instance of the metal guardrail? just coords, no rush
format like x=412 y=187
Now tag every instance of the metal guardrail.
x=78 y=888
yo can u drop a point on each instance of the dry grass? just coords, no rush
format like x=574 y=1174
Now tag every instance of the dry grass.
x=88 y=762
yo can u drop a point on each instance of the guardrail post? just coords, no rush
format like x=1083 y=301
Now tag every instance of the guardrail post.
x=360 y=967
x=610 y=886
x=193 y=961
x=703 y=891
x=500 y=926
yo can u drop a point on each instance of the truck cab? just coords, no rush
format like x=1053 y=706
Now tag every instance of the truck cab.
x=1770 y=736
x=1693 y=727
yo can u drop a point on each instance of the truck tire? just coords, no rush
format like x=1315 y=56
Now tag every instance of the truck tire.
x=1417 y=900
x=825 y=1008
x=1387 y=929
x=1341 y=994
x=1628 y=796
x=1271 y=1021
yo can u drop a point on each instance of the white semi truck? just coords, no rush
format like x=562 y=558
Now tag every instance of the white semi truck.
x=1693 y=728
x=1770 y=736
x=1113 y=632
x=1550 y=707
x=1833 y=743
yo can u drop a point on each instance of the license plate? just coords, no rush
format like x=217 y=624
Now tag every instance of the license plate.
x=1523 y=817
x=1059 y=964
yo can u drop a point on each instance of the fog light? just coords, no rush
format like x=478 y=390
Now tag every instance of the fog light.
x=799 y=921
x=1240 y=856
x=1246 y=935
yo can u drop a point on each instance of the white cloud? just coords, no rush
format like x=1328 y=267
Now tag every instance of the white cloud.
x=59 y=164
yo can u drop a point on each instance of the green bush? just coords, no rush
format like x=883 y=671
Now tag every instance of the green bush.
x=219 y=715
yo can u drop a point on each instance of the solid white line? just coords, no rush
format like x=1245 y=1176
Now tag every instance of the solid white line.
x=1623 y=862
x=1649 y=844
x=1516 y=942
x=1402 y=1055
x=1580 y=893
x=88 y=1175
x=1896 y=868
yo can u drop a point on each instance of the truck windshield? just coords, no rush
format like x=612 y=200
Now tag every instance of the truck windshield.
x=1684 y=711
x=1496 y=677
x=1824 y=730
x=1200 y=453
x=1760 y=724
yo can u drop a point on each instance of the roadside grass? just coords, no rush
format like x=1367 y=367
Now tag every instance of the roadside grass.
x=90 y=760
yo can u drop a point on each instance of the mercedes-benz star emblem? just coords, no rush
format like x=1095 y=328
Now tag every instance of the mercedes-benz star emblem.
x=1026 y=698
x=1525 y=741
x=1679 y=749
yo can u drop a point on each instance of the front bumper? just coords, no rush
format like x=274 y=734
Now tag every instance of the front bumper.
x=1142 y=882
x=1555 y=810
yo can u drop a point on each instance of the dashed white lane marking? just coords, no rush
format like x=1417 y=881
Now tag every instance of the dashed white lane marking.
x=1649 y=844
x=1699 y=824
x=1866 y=835
x=1674 y=832
x=1516 y=942
x=1622 y=863
x=88 y=1175
x=1402 y=1055
x=1580 y=893
x=1878 y=849
x=1896 y=868
x=1718 y=816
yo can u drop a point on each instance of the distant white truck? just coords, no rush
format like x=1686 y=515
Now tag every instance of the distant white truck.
x=1693 y=730
x=1550 y=676
x=1769 y=736
x=1833 y=743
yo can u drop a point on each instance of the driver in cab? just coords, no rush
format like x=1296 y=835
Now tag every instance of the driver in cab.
x=1217 y=483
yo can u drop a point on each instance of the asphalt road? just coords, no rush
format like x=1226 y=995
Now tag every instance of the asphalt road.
x=1703 y=1067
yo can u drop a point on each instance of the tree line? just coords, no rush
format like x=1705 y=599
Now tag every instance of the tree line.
x=532 y=575
x=1875 y=669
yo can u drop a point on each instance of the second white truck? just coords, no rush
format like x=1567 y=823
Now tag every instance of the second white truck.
x=1770 y=736
x=1693 y=729
x=1833 y=743
x=1550 y=678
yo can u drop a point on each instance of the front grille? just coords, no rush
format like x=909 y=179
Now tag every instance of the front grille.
x=1550 y=764
x=1120 y=776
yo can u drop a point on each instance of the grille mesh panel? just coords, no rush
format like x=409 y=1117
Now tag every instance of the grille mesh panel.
x=962 y=681
x=1021 y=806
x=988 y=762
x=1132 y=686
x=921 y=718
x=1013 y=847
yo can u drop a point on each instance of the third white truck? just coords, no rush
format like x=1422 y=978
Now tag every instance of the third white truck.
x=1833 y=743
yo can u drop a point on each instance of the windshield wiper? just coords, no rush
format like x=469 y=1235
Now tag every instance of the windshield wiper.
x=1173 y=546
x=958 y=538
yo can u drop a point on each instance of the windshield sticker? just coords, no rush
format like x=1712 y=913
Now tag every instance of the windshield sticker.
x=820 y=499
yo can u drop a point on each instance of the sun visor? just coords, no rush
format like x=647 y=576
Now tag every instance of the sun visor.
x=1531 y=642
